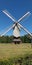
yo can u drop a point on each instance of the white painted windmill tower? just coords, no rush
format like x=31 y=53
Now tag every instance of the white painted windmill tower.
x=16 y=26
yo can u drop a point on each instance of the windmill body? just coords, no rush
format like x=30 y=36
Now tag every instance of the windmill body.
x=16 y=32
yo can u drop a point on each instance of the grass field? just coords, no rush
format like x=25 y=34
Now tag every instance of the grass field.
x=11 y=50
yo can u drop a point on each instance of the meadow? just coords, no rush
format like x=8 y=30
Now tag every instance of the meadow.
x=10 y=52
x=14 y=50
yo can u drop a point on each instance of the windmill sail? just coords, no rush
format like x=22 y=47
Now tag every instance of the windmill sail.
x=7 y=30
x=16 y=31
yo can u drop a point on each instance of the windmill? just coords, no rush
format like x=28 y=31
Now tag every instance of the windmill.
x=16 y=26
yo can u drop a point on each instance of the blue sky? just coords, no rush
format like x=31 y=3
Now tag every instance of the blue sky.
x=17 y=8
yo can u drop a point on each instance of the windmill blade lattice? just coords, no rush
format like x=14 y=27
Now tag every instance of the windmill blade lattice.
x=7 y=30
x=25 y=29
x=9 y=15
x=27 y=14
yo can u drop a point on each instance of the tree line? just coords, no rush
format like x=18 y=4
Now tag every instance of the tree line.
x=9 y=39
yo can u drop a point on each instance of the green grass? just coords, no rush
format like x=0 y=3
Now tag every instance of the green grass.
x=13 y=51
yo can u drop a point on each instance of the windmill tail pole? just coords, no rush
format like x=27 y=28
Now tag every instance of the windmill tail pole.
x=31 y=39
x=31 y=42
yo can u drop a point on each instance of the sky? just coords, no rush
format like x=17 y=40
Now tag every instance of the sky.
x=17 y=8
